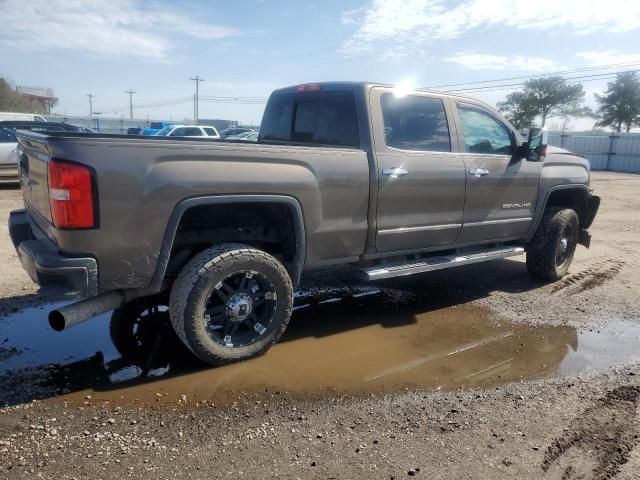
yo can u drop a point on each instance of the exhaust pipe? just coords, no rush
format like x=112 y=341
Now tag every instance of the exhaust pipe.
x=86 y=309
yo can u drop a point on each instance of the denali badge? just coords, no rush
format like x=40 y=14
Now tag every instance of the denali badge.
x=511 y=206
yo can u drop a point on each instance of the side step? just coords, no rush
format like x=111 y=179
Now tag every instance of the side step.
x=438 y=263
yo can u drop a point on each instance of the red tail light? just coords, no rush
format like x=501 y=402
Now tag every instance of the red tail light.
x=309 y=87
x=71 y=195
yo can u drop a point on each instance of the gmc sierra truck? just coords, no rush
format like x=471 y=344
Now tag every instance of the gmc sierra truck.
x=391 y=182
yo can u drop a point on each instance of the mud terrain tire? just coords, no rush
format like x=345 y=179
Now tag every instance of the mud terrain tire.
x=200 y=280
x=551 y=250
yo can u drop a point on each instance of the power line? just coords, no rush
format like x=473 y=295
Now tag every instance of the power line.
x=166 y=103
x=599 y=76
x=473 y=87
x=498 y=89
x=585 y=69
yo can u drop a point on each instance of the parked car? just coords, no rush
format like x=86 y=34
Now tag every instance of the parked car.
x=350 y=174
x=84 y=129
x=230 y=132
x=8 y=143
x=155 y=127
x=246 y=136
x=37 y=126
x=8 y=156
x=188 y=131
x=29 y=117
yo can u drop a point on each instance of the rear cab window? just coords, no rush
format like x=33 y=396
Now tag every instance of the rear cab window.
x=311 y=118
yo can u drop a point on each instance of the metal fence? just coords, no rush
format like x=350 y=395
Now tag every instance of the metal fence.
x=617 y=152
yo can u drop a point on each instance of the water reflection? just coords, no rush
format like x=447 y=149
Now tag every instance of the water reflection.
x=354 y=342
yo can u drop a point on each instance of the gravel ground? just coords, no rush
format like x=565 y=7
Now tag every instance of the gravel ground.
x=582 y=425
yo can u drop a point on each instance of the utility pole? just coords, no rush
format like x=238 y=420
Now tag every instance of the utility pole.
x=90 y=95
x=195 y=99
x=130 y=92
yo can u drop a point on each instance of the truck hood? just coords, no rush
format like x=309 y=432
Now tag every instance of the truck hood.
x=551 y=150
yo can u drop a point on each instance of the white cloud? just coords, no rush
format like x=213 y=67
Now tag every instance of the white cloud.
x=482 y=61
x=114 y=28
x=410 y=25
x=608 y=57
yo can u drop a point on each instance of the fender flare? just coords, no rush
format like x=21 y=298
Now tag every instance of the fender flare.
x=540 y=209
x=179 y=210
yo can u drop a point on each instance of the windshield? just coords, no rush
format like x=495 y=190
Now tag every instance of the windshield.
x=165 y=131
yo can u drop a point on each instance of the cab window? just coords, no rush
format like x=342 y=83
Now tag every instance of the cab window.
x=483 y=133
x=315 y=118
x=415 y=122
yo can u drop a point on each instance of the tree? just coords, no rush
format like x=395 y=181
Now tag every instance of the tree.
x=519 y=110
x=545 y=98
x=620 y=105
x=12 y=101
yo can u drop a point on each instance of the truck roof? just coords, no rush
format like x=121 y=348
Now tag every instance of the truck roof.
x=364 y=85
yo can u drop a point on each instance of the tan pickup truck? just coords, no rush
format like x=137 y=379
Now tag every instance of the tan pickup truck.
x=392 y=183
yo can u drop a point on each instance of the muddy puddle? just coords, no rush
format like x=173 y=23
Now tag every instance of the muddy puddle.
x=354 y=342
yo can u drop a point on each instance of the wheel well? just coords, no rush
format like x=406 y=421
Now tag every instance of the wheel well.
x=573 y=198
x=269 y=227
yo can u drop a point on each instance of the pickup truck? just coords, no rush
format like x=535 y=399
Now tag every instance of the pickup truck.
x=390 y=182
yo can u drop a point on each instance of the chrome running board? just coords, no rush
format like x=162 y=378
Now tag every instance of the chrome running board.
x=430 y=264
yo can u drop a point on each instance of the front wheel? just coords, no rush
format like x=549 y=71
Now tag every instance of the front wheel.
x=550 y=252
x=231 y=302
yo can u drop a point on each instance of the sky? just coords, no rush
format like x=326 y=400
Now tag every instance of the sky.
x=244 y=50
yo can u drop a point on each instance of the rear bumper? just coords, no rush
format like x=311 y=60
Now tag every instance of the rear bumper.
x=57 y=275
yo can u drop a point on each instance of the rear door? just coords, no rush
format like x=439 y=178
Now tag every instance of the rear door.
x=421 y=175
x=501 y=188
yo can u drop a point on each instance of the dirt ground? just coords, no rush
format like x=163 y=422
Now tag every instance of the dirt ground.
x=477 y=372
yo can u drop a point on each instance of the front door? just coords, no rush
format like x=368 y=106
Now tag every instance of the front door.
x=501 y=188
x=421 y=175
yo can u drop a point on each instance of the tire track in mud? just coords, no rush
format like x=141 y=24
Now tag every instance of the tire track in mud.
x=594 y=276
x=599 y=441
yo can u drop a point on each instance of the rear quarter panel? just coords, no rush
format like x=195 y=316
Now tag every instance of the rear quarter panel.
x=141 y=181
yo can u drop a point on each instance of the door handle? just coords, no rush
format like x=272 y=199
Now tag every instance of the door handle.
x=479 y=172
x=395 y=172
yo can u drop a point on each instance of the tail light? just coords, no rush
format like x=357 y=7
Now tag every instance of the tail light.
x=309 y=87
x=71 y=195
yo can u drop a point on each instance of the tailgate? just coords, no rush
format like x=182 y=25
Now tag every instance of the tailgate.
x=33 y=159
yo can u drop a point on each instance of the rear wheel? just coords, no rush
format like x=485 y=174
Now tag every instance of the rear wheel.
x=231 y=302
x=550 y=252
x=135 y=326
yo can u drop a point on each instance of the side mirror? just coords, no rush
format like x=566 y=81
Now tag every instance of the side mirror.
x=537 y=144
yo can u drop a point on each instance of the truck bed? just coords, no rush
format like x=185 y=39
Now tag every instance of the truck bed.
x=141 y=181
